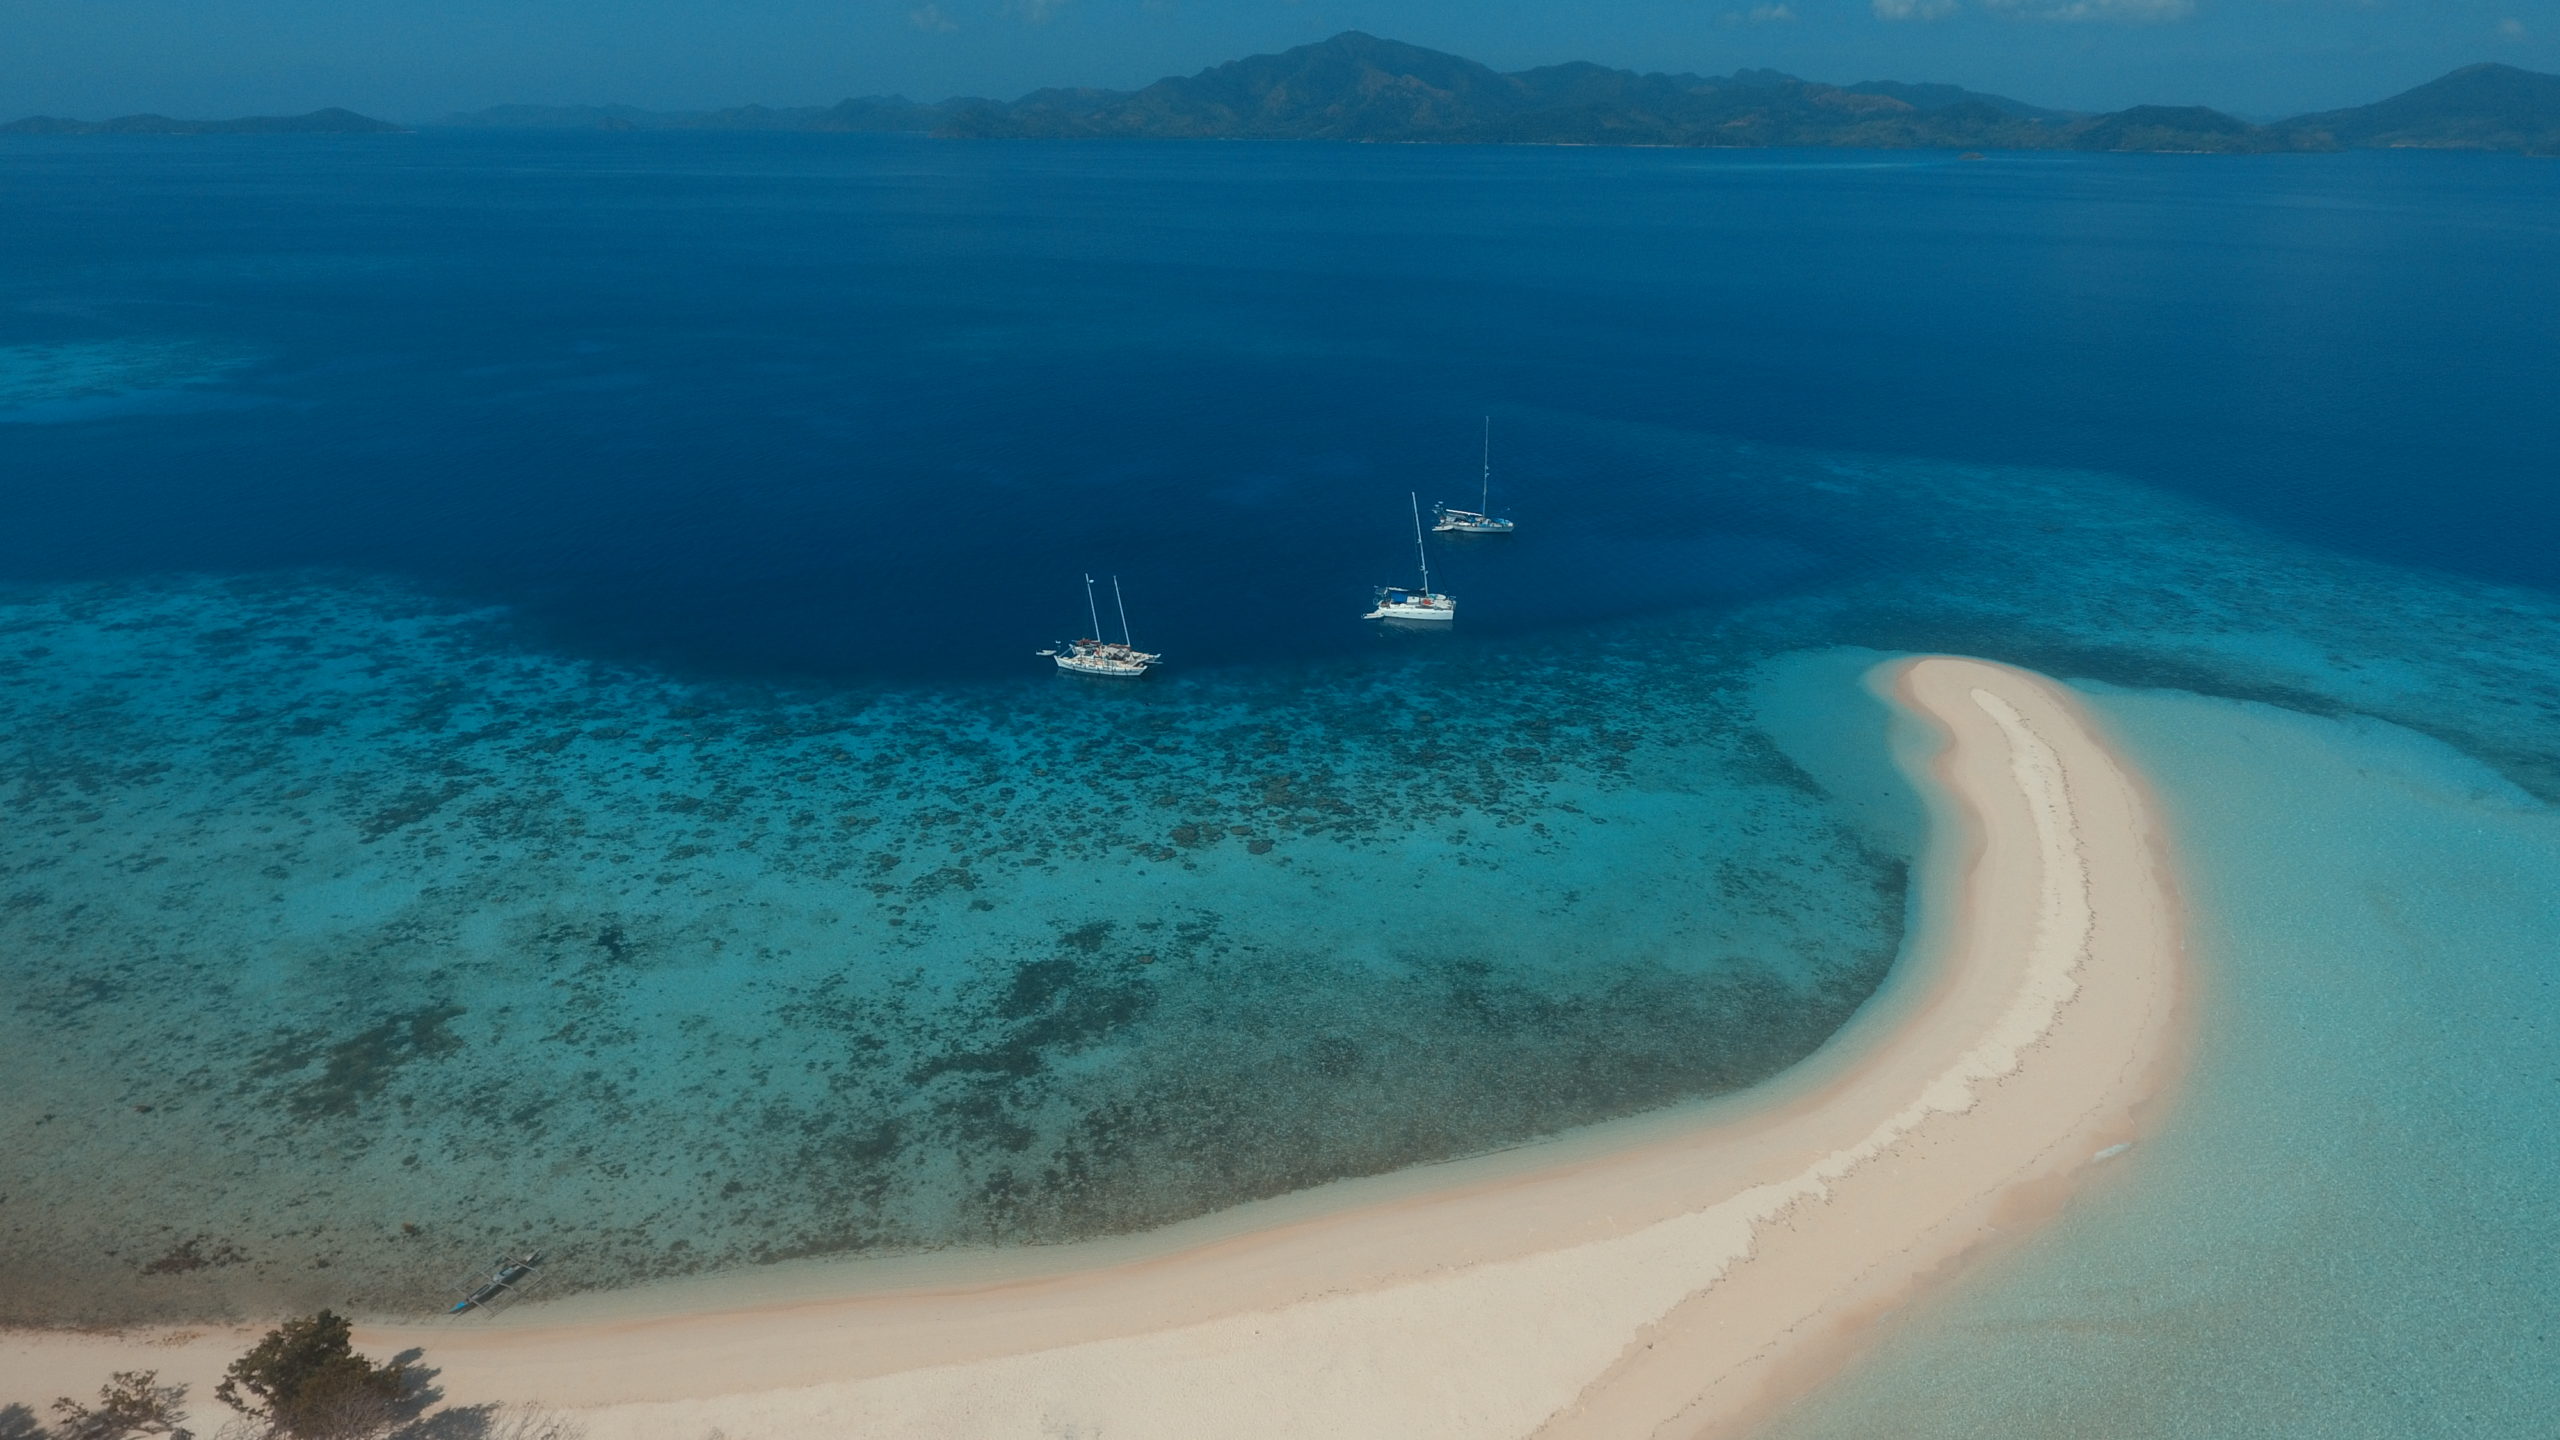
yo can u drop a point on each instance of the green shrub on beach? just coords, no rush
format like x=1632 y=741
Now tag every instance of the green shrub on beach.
x=533 y=1422
x=306 y=1381
x=132 y=1402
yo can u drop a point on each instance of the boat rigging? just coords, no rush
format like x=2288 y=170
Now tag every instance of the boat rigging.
x=1398 y=603
x=1479 y=521
x=1118 y=660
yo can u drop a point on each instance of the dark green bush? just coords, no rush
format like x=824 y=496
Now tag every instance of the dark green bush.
x=306 y=1380
x=132 y=1402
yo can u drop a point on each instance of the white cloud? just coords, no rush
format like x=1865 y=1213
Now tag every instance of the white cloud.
x=2511 y=29
x=2135 y=11
x=1759 y=15
x=929 y=16
x=1038 y=11
x=1914 y=9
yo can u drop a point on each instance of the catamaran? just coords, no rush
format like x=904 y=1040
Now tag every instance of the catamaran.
x=1397 y=603
x=1478 y=521
x=1120 y=660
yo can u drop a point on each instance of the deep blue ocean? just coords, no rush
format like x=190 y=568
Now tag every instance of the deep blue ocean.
x=857 y=407
x=519 y=721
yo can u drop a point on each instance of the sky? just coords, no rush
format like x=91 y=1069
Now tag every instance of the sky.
x=419 y=59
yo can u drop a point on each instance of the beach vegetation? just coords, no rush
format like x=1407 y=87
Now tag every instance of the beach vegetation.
x=304 y=1380
x=132 y=1402
x=532 y=1422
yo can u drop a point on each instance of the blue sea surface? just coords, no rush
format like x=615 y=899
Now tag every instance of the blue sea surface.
x=519 y=722
x=854 y=407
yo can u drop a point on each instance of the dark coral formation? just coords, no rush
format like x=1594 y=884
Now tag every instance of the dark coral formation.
x=424 y=943
x=347 y=941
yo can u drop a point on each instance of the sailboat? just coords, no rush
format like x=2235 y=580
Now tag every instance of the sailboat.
x=1120 y=660
x=1478 y=521
x=1397 y=603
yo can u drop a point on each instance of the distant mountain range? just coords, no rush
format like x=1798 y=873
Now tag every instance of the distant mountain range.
x=318 y=122
x=1359 y=87
x=2479 y=107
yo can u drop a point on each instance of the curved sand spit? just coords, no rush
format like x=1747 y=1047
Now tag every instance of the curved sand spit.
x=1671 y=1277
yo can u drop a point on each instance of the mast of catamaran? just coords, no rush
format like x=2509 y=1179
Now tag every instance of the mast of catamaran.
x=1421 y=556
x=1092 y=612
x=1125 y=638
x=1484 y=502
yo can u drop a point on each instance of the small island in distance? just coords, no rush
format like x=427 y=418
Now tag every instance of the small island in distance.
x=1357 y=87
x=332 y=121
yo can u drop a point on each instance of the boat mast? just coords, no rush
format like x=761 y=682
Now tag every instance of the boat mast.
x=1124 y=614
x=1419 y=554
x=1484 y=504
x=1089 y=610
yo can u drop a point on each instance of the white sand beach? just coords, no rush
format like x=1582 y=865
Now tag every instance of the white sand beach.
x=1677 y=1275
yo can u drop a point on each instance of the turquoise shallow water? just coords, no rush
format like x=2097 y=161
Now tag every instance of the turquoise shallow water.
x=2344 y=1227
x=409 y=942
x=409 y=938
x=517 y=723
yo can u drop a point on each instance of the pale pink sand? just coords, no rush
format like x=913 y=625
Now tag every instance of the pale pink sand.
x=1676 y=1275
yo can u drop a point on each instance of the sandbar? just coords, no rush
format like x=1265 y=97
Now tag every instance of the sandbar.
x=1677 y=1275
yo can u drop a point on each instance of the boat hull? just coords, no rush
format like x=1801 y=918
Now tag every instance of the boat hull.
x=1103 y=659
x=1074 y=666
x=1447 y=521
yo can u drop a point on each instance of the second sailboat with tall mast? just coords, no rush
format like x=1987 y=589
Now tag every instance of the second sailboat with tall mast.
x=1119 y=660
x=1398 y=603
x=1479 y=521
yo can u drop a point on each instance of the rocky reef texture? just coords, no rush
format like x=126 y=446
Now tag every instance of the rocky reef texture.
x=347 y=939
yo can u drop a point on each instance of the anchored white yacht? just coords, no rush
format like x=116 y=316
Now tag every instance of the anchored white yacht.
x=1398 y=603
x=1119 y=660
x=1478 y=521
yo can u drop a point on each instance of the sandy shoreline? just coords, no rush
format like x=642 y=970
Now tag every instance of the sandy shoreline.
x=1672 y=1276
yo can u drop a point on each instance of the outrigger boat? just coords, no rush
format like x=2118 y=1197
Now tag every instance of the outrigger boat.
x=507 y=1280
x=1120 y=661
x=1398 y=603
x=1474 y=522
